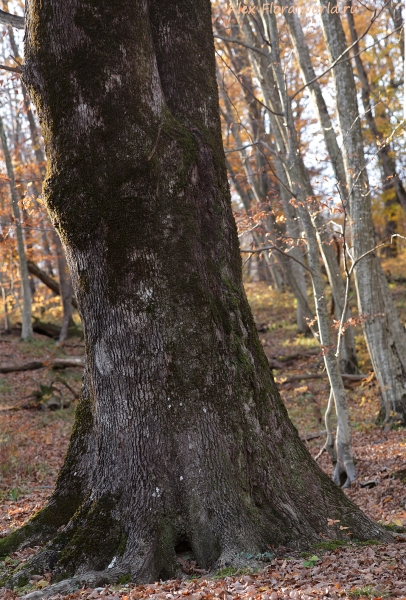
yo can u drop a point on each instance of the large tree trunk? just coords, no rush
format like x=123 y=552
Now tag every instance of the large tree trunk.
x=184 y=437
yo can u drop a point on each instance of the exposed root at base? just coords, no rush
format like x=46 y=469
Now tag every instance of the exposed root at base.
x=91 y=579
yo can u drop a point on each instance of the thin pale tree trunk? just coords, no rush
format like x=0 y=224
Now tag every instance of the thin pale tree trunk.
x=65 y=287
x=7 y=327
x=26 y=317
x=298 y=183
x=302 y=53
x=386 y=350
x=252 y=180
x=270 y=87
x=394 y=191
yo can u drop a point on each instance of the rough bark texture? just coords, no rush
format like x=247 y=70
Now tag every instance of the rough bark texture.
x=181 y=434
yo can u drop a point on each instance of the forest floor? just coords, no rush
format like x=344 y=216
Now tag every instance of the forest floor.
x=34 y=433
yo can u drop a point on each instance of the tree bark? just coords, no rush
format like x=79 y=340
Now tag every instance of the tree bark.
x=385 y=349
x=184 y=437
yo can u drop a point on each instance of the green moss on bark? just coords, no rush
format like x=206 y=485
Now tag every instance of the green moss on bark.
x=98 y=537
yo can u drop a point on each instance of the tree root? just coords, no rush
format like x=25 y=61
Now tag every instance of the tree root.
x=91 y=579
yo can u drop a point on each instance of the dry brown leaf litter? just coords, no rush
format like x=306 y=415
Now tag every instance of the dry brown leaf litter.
x=32 y=446
x=379 y=571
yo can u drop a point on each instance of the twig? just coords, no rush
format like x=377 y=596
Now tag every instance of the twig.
x=237 y=41
x=329 y=445
x=72 y=391
x=348 y=273
x=242 y=148
x=278 y=250
x=246 y=88
x=12 y=20
x=17 y=70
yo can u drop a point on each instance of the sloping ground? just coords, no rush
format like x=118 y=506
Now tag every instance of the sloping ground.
x=33 y=443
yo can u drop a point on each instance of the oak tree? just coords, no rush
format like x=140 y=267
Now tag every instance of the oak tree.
x=181 y=438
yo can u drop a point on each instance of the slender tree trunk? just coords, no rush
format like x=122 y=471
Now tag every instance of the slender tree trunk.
x=309 y=78
x=7 y=327
x=386 y=351
x=294 y=277
x=192 y=443
x=65 y=287
x=35 y=140
x=395 y=11
x=296 y=180
x=295 y=273
x=26 y=318
x=271 y=88
x=252 y=179
x=393 y=190
x=35 y=136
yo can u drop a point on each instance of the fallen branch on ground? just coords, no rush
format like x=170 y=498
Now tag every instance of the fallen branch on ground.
x=291 y=357
x=313 y=436
x=54 y=363
x=47 y=280
x=323 y=375
x=281 y=361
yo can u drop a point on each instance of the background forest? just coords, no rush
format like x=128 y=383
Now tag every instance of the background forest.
x=312 y=117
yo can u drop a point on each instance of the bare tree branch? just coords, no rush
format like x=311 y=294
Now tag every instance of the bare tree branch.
x=341 y=58
x=242 y=148
x=245 y=87
x=12 y=20
x=278 y=250
x=237 y=41
x=12 y=69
